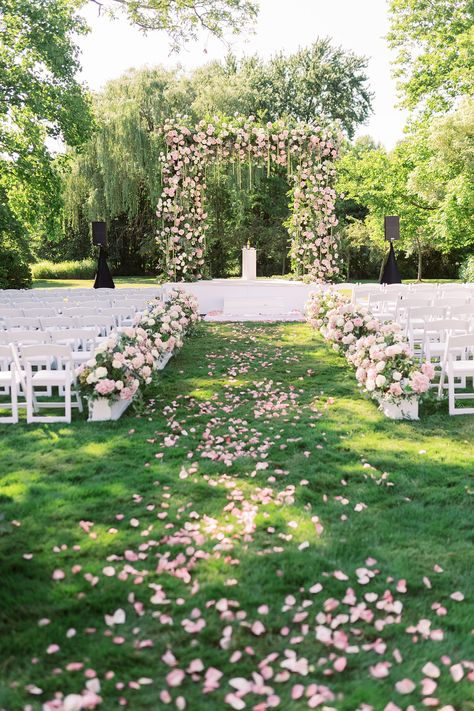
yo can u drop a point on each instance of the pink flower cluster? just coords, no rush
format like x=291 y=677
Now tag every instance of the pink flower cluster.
x=127 y=360
x=384 y=363
x=306 y=151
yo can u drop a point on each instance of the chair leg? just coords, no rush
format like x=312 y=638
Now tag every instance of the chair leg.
x=14 y=398
x=67 y=403
x=30 y=399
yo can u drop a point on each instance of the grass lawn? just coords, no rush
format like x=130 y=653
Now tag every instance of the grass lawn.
x=120 y=282
x=261 y=526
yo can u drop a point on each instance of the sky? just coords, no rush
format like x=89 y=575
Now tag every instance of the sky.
x=113 y=46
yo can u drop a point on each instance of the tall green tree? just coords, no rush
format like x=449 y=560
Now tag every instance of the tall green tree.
x=40 y=102
x=117 y=176
x=434 y=40
x=318 y=83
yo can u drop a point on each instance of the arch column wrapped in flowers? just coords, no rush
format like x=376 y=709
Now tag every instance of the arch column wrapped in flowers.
x=307 y=153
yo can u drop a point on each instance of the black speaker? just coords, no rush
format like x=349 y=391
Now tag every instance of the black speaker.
x=392 y=227
x=99 y=234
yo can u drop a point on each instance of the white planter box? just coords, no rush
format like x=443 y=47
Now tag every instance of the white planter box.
x=103 y=409
x=406 y=409
x=163 y=361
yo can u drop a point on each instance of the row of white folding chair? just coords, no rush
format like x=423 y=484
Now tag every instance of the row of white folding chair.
x=404 y=305
x=33 y=371
x=416 y=317
x=106 y=321
x=81 y=340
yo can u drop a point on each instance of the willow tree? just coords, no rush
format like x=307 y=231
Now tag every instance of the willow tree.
x=117 y=177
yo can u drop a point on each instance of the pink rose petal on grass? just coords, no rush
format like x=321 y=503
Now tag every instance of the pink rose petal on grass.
x=175 y=677
x=380 y=670
x=340 y=664
x=60 y=575
x=431 y=670
x=457 y=672
x=402 y=586
x=258 y=628
x=405 y=686
x=235 y=702
x=297 y=692
x=428 y=687
x=457 y=596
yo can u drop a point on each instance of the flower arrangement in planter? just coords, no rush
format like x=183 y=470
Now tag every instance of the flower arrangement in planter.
x=384 y=364
x=126 y=362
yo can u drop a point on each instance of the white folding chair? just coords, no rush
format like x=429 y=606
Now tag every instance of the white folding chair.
x=80 y=311
x=22 y=323
x=23 y=337
x=9 y=384
x=382 y=305
x=9 y=311
x=30 y=311
x=122 y=315
x=449 y=303
x=82 y=342
x=54 y=323
x=463 y=311
x=415 y=323
x=407 y=301
x=459 y=365
x=103 y=324
x=49 y=365
x=435 y=339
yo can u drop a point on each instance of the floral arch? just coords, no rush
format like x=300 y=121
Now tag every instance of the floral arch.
x=307 y=152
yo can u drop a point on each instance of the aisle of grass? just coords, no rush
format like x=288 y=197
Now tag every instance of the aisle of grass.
x=220 y=558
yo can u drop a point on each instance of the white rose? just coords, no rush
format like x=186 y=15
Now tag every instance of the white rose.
x=91 y=363
x=91 y=378
x=380 y=366
x=116 y=363
x=100 y=372
x=118 y=385
x=370 y=385
x=396 y=375
x=380 y=380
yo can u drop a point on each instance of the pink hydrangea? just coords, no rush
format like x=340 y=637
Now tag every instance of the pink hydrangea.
x=428 y=370
x=105 y=386
x=419 y=382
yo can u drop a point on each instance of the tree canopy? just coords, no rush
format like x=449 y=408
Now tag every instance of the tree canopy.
x=182 y=19
x=435 y=51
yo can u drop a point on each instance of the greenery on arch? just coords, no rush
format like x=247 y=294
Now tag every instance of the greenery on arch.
x=308 y=152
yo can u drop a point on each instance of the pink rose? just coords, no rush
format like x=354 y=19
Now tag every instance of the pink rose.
x=105 y=387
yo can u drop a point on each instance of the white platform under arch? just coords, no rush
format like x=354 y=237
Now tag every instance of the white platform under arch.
x=239 y=299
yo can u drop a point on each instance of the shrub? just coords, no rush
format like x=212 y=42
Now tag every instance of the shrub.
x=15 y=272
x=84 y=269
x=466 y=273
